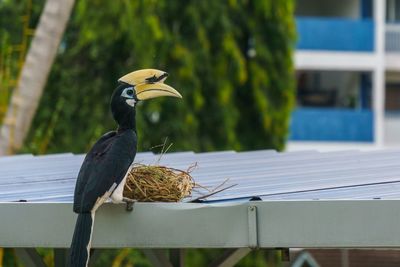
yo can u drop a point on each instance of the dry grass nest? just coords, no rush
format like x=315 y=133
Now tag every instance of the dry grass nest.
x=149 y=183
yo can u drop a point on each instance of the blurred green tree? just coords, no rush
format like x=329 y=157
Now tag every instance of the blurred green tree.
x=33 y=70
x=231 y=60
x=15 y=32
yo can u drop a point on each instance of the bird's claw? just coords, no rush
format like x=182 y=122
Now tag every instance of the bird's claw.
x=129 y=203
x=129 y=206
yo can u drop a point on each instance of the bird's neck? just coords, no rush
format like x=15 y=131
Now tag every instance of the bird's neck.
x=127 y=122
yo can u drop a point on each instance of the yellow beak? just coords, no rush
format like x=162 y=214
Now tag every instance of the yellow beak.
x=149 y=83
x=152 y=90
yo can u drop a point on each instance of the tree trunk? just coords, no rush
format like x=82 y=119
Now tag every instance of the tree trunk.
x=40 y=57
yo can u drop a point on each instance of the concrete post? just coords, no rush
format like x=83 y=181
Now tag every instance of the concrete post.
x=379 y=73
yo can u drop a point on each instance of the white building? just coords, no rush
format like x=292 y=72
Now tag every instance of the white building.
x=348 y=74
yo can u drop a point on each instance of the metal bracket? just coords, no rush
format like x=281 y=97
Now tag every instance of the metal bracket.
x=253 y=231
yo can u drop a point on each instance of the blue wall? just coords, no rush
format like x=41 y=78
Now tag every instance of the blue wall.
x=330 y=124
x=323 y=33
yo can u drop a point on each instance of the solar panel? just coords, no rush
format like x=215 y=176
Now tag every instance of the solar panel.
x=266 y=173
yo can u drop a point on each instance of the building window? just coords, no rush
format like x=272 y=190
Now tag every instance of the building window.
x=336 y=89
x=393 y=11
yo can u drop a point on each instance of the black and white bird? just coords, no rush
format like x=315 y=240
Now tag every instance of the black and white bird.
x=104 y=170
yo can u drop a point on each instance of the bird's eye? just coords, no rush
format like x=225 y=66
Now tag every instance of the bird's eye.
x=128 y=92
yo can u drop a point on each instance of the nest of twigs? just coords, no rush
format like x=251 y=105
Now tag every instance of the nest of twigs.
x=150 y=183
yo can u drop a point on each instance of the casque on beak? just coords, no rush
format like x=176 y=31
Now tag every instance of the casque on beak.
x=149 y=83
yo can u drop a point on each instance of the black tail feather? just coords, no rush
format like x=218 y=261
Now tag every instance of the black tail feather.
x=80 y=245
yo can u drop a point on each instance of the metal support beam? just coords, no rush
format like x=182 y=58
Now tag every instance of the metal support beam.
x=281 y=230
x=230 y=257
x=304 y=259
x=157 y=257
x=29 y=257
x=60 y=257
x=177 y=257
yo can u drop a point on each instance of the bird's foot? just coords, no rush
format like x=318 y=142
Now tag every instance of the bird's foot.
x=129 y=203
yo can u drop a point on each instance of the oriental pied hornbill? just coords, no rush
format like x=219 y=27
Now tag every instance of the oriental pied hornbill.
x=104 y=169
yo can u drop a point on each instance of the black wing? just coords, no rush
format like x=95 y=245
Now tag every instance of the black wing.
x=105 y=164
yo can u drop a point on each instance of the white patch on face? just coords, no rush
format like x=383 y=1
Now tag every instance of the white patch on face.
x=131 y=102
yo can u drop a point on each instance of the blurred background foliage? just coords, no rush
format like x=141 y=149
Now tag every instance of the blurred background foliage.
x=17 y=20
x=231 y=60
